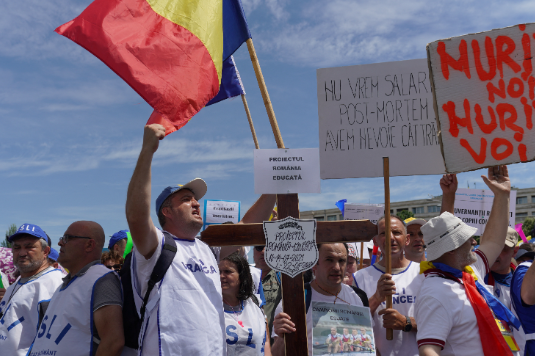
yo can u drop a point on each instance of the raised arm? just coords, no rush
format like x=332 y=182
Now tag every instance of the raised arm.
x=261 y=209
x=448 y=184
x=138 y=197
x=493 y=238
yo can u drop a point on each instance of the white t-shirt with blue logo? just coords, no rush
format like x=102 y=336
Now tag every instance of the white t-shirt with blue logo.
x=184 y=314
x=408 y=282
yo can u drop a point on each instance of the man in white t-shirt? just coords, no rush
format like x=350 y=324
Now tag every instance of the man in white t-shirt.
x=453 y=315
x=184 y=314
x=26 y=300
x=403 y=284
x=327 y=287
x=415 y=250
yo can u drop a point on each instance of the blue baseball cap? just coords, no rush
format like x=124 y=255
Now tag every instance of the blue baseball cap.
x=30 y=229
x=197 y=186
x=118 y=236
x=53 y=255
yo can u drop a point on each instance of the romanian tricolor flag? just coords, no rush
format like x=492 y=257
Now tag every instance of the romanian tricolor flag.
x=170 y=52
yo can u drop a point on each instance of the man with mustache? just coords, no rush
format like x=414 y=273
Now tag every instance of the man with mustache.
x=455 y=310
x=327 y=287
x=26 y=300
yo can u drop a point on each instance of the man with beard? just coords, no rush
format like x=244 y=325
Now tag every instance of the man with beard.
x=184 y=311
x=456 y=313
x=26 y=300
x=327 y=287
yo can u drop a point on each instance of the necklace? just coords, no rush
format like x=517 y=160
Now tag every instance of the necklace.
x=234 y=311
x=334 y=295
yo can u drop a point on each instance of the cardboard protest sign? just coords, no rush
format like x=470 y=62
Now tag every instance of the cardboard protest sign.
x=291 y=245
x=371 y=111
x=341 y=329
x=220 y=211
x=370 y=212
x=483 y=87
x=473 y=207
x=285 y=171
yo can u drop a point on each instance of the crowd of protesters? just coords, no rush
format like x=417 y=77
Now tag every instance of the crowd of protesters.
x=162 y=291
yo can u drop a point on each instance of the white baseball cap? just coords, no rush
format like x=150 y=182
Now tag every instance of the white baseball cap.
x=445 y=233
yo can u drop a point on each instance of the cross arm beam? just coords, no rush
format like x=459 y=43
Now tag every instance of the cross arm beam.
x=253 y=234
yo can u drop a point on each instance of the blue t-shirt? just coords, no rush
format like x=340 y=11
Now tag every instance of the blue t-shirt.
x=526 y=313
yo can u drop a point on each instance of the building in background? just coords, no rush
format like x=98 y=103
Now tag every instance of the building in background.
x=429 y=208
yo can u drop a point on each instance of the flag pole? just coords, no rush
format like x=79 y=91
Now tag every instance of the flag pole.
x=250 y=120
x=387 y=256
x=265 y=94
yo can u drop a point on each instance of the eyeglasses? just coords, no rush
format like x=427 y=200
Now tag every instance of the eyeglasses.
x=259 y=248
x=115 y=267
x=66 y=238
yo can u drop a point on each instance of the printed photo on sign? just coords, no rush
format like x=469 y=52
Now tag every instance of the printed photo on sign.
x=291 y=245
x=341 y=330
x=473 y=207
x=371 y=111
x=484 y=96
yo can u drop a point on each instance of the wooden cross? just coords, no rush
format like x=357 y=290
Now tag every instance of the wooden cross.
x=293 y=295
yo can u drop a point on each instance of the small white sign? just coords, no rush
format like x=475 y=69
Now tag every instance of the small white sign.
x=473 y=207
x=370 y=212
x=285 y=171
x=220 y=211
x=291 y=245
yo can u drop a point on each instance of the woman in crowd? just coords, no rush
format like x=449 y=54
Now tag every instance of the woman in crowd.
x=245 y=322
x=112 y=260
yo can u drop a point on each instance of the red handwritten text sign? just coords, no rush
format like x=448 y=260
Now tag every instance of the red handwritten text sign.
x=484 y=97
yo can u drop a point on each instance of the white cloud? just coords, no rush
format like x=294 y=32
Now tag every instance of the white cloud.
x=348 y=32
x=54 y=158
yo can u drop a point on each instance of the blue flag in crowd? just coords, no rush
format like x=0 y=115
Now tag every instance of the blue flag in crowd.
x=235 y=30
x=231 y=84
x=340 y=204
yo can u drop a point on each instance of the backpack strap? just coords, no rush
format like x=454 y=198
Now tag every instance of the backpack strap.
x=161 y=267
x=362 y=295
x=131 y=321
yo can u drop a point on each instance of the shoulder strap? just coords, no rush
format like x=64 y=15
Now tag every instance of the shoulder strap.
x=255 y=300
x=362 y=295
x=278 y=276
x=161 y=267
x=308 y=296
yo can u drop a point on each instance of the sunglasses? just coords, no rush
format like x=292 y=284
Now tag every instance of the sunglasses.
x=259 y=248
x=115 y=267
x=66 y=238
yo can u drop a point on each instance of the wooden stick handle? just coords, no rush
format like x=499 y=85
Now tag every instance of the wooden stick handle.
x=361 y=255
x=387 y=253
x=250 y=119
x=265 y=94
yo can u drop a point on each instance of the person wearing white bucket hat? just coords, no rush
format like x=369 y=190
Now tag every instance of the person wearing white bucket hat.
x=456 y=313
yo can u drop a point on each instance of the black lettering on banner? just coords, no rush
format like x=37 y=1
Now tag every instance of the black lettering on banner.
x=389 y=111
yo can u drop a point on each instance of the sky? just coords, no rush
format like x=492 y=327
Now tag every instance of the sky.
x=72 y=129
